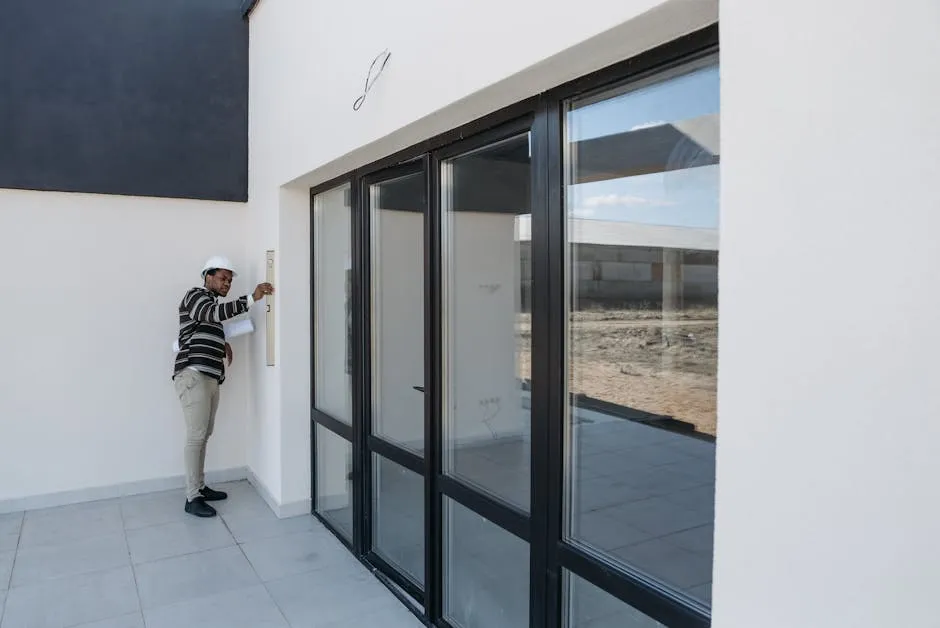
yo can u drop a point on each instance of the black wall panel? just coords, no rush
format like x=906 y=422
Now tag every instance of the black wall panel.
x=137 y=97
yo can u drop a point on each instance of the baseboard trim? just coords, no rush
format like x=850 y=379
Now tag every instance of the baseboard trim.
x=283 y=511
x=294 y=509
x=97 y=493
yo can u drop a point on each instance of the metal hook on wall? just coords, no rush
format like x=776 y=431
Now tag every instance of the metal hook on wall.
x=370 y=80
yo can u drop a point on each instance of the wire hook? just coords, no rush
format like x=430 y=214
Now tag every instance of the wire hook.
x=370 y=80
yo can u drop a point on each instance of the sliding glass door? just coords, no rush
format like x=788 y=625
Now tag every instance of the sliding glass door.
x=485 y=210
x=332 y=432
x=394 y=209
x=515 y=356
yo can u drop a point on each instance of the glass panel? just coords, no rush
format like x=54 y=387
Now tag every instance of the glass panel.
x=332 y=284
x=398 y=512
x=485 y=197
x=334 y=480
x=486 y=572
x=398 y=310
x=642 y=201
x=591 y=607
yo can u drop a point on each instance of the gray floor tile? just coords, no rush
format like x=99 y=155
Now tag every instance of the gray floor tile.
x=78 y=557
x=390 y=615
x=72 y=601
x=242 y=608
x=10 y=526
x=294 y=554
x=699 y=498
x=326 y=598
x=409 y=558
x=6 y=569
x=696 y=540
x=254 y=526
x=605 y=533
x=657 y=516
x=56 y=526
x=134 y=620
x=141 y=511
x=174 y=580
x=604 y=492
x=243 y=499
x=177 y=539
x=665 y=479
x=3 y=599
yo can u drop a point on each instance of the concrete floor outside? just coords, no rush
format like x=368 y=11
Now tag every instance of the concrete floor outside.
x=140 y=561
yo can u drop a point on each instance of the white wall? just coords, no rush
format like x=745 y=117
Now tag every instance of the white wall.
x=829 y=417
x=483 y=396
x=91 y=286
x=305 y=73
x=398 y=326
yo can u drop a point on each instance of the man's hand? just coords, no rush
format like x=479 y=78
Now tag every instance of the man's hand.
x=262 y=290
x=228 y=353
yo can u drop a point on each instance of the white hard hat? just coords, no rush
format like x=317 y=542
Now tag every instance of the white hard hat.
x=218 y=262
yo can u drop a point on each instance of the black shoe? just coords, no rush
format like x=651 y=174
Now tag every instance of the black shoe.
x=211 y=495
x=199 y=508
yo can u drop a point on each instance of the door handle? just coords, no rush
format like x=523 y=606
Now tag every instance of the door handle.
x=420 y=389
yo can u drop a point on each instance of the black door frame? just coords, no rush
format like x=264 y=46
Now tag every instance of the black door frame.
x=550 y=553
x=372 y=443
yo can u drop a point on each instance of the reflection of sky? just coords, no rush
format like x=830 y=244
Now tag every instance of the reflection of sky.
x=680 y=197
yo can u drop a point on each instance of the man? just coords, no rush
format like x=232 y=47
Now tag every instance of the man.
x=200 y=370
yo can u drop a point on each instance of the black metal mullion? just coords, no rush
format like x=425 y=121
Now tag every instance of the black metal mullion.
x=372 y=443
x=654 y=60
x=402 y=457
x=539 y=376
x=313 y=351
x=340 y=428
x=396 y=590
x=521 y=124
x=433 y=524
x=556 y=256
x=635 y=589
x=335 y=531
x=361 y=343
x=396 y=575
x=511 y=519
x=443 y=141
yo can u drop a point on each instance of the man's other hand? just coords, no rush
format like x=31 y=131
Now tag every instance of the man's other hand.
x=262 y=290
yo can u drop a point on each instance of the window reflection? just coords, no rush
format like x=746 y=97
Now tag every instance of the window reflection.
x=487 y=334
x=642 y=172
x=398 y=515
x=332 y=250
x=398 y=310
x=486 y=572
x=591 y=607
x=334 y=480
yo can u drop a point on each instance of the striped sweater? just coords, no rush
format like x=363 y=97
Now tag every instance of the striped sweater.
x=202 y=338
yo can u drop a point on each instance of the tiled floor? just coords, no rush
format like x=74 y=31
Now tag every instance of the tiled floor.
x=142 y=562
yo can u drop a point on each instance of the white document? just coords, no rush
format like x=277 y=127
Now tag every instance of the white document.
x=233 y=329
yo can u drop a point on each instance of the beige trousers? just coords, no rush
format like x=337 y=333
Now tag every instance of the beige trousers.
x=199 y=396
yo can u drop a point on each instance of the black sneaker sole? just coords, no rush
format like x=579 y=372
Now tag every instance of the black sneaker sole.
x=205 y=514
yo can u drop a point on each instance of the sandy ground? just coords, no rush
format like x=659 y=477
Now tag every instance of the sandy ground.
x=637 y=359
